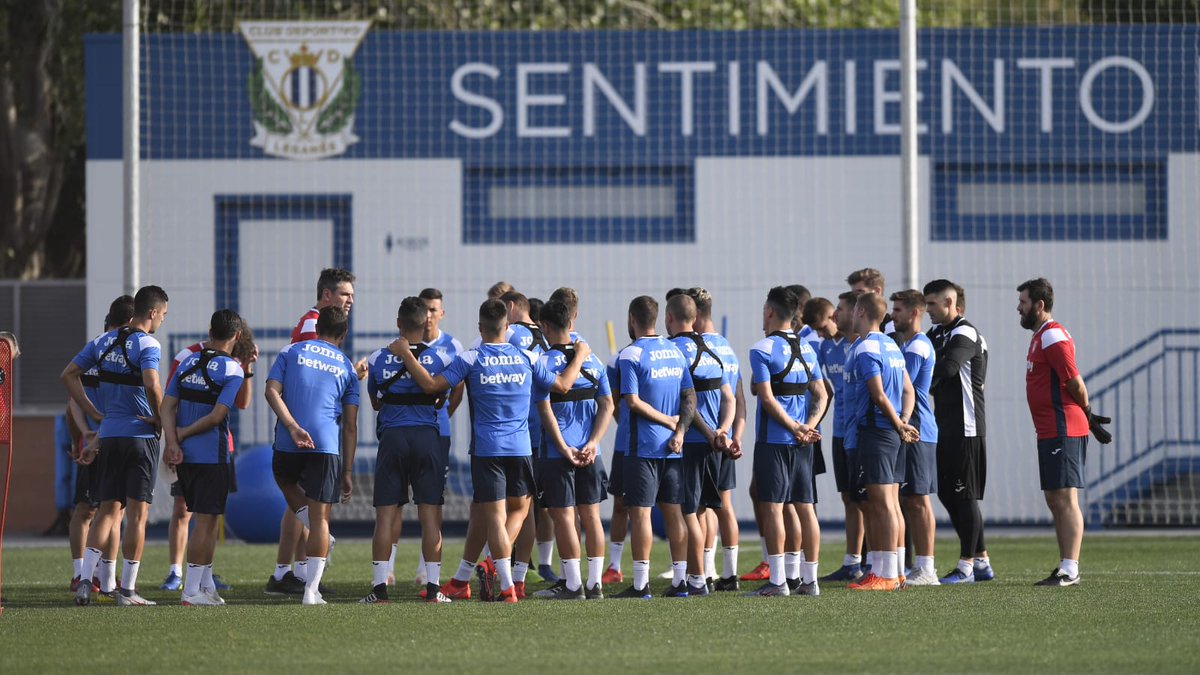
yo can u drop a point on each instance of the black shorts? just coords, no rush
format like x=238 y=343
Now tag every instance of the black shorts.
x=920 y=469
x=177 y=486
x=818 y=459
x=562 y=485
x=287 y=467
x=497 y=478
x=85 y=484
x=410 y=458
x=783 y=473
x=1060 y=462
x=879 y=457
x=962 y=467
x=317 y=473
x=177 y=489
x=698 y=483
x=204 y=487
x=652 y=481
x=127 y=469
x=616 y=475
x=843 y=468
x=726 y=473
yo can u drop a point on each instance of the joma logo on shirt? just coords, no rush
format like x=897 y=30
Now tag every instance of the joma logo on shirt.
x=323 y=351
x=502 y=360
x=664 y=354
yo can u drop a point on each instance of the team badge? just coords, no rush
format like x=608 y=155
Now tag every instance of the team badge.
x=303 y=88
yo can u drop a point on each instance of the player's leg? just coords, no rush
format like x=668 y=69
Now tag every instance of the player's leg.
x=593 y=529
x=381 y=545
x=428 y=479
x=523 y=548
x=641 y=488
x=917 y=511
x=518 y=506
x=1060 y=463
x=691 y=472
x=730 y=533
x=321 y=482
x=556 y=483
x=459 y=585
x=141 y=471
x=772 y=472
x=977 y=455
x=619 y=525
x=544 y=544
x=286 y=468
x=81 y=520
x=389 y=494
x=397 y=532
x=761 y=570
x=177 y=539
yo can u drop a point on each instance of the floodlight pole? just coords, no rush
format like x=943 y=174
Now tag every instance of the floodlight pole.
x=908 y=141
x=131 y=88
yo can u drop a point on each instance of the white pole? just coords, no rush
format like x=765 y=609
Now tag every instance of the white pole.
x=132 y=145
x=908 y=140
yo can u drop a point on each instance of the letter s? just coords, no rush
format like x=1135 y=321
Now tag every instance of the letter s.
x=471 y=98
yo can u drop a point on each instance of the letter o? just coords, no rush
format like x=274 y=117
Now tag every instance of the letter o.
x=1085 y=94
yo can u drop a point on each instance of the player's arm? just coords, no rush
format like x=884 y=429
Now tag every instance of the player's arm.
x=908 y=399
x=1061 y=357
x=687 y=416
x=154 y=396
x=246 y=392
x=818 y=403
x=433 y=385
x=604 y=417
x=349 y=448
x=206 y=423
x=566 y=379
x=172 y=452
x=456 y=396
x=70 y=379
x=959 y=350
x=642 y=409
x=274 y=395
x=739 y=421
x=774 y=409
x=551 y=429
x=88 y=438
x=880 y=399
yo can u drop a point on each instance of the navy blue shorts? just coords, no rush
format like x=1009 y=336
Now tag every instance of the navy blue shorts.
x=127 y=468
x=698 y=478
x=1060 y=462
x=726 y=472
x=920 y=469
x=652 y=481
x=843 y=468
x=879 y=457
x=783 y=473
x=563 y=485
x=497 y=478
x=320 y=476
x=616 y=475
x=204 y=487
x=85 y=484
x=410 y=458
x=818 y=459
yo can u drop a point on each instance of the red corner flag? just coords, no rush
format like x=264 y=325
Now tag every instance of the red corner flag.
x=6 y=359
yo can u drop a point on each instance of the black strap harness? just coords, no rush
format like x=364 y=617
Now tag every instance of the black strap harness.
x=539 y=338
x=130 y=379
x=391 y=398
x=574 y=394
x=703 y=383
x=211 y=391
x=778 y=386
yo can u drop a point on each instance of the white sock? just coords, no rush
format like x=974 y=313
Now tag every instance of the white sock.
x=391 y=561
x=571 y=573
x=77 y=566
x=108 y=575
x=505 y=572
x=1069 y=567
x=206 y=580
x=710 y=562
x=545 y=552
x=87 y=567
x=729 y=560
x=900 y=557
x=775 y=562
x=791 y=564
x=302 y=570
x=420 y=562
x=316 y=570
x=873 y=561
x=763 y=543
x=191 y=583
x=595 y=571
x=519 y=571
x=281 y=571
x=433 y=573
x=924 y=562
x=129 y=572
x=615 y=549
x=302 y=514
x=851 y=559
x=465 y=569
x=678 y=572
x=889 y=564
x=379 y=572
x=695 y=580
x=983 y=561
x=177 y=570
x=487 y=551
x=965 y=567
x=808 y=571
x=641 y=574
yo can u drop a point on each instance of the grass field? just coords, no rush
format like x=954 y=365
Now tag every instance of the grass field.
x=1137 y=610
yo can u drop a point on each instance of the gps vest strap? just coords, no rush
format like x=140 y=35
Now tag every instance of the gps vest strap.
x=130 y=379
x=538 y=337
x=89 y=381
x=703 y=383
x=778 y=386
x=211 y=392
x=389 y=398
x=576 y=393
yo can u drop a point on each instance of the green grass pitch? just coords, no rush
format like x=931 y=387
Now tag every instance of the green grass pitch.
x=1137 y=610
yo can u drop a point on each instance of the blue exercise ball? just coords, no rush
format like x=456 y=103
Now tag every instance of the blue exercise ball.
x=254 y=511
x=657 y=523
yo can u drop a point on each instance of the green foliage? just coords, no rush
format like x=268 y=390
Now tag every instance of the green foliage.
x=267 y=110
x=337 y=114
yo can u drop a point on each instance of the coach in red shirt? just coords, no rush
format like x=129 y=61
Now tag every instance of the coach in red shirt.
x=1058 y=401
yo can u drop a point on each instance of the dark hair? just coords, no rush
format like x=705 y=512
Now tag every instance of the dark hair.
x=517 y=298
x=911 y=298
x=1039 y=289
x=868 y=276
x=119 y=312
x=802 y=294
x=849 y=295
x=330 y=278
x=148 y=298
x=814 y=308
x=874 y=306
x=961 y=303
x=430 y=294
x=498 y=289
x=556 y=313
x=535 y=309
x=492 y=315
x=703 y=300
x=244 y=347
x=674 y=292
x=783 y=301
x=332 y=322
x=644 y=311
x=567 y=296
x=939 y=286
x=412 y=313
x=682 y=307
x=224 y=324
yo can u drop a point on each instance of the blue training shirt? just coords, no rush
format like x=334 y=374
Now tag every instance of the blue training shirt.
x=919 y=360
x=123 y=402
x=654 y=369
x=575 y=417
x=318 y=379
x=91 y=388
x=875 y=355
x=225 y=377
x=444 y=345
x=708 y=366
x=500 y=380
x=384 y=366
x=621 y=441
x=832 y=356
x=768 y=359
